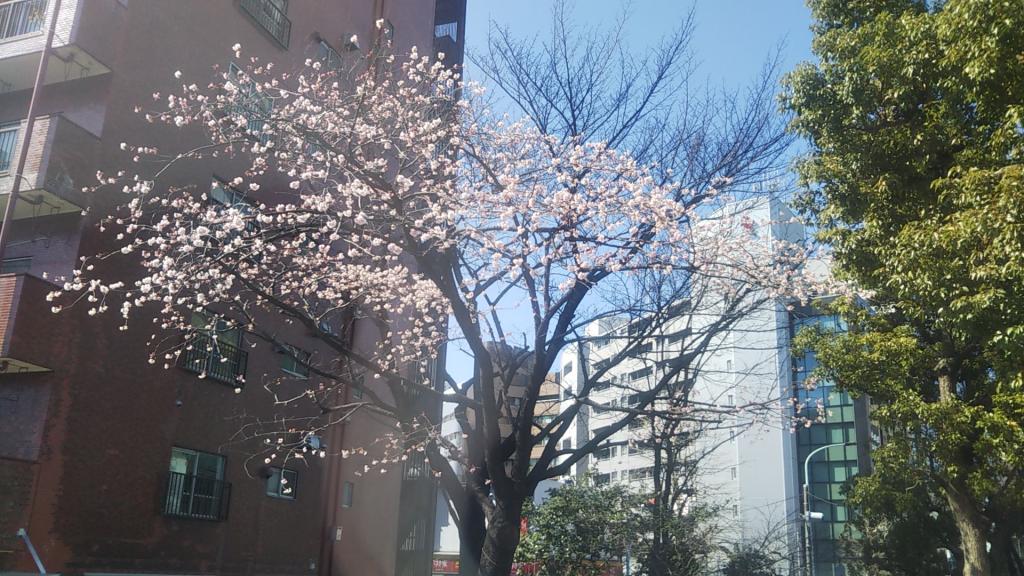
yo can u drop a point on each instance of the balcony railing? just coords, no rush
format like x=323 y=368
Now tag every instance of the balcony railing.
x=19 y=17
x=219 y=360
x=191 y=496
x=271 y=18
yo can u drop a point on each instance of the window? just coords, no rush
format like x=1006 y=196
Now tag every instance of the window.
x=271 y=16
x=196 y=486
x=735 y=510
x=514 y=404
x=641 y=473
x=601 y=479
x=295 y=361
x=730 y=400
x=18 y=18
x=8 y=140
x=223 y=196
x=728 y=366
x=328 y=55
x=604 y=453
x=639 y=374
x=347 y=490
x=632 y=400
x=447 y=30
x=568 y=368
x=253 y=105
x=282 y=483
x=645 y=347
x=214 y=349
x=732 y=472
x=16 y=265
x=566 y=444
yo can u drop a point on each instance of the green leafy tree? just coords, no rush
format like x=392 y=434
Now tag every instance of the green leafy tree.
x=902 y=526
x=580 y=529
x=915 y=114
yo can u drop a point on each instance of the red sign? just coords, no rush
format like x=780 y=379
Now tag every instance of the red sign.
x=445 y=566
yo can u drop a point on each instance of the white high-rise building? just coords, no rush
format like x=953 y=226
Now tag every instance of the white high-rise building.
x=747 y=461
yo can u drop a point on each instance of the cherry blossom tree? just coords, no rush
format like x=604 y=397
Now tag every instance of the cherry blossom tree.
x=374 y=193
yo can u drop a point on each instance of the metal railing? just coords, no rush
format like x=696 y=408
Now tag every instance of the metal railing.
x=198 y=497
x=219 y=360
x=271 y=18
x=8 y=141
x=19 y=17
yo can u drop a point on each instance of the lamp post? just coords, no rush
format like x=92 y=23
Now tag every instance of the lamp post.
x=808 y=515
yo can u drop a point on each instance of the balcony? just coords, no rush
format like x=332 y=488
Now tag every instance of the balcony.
x=219 y=360
x=80 y=43
x=196 y=497
x=25 y=333
x=270 y=15
x=61 y=160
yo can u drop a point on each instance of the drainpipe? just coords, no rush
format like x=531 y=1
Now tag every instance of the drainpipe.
x=19 y=169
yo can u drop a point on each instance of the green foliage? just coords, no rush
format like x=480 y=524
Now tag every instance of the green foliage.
x=746 y=560
x=580 y=528
x=915 y=112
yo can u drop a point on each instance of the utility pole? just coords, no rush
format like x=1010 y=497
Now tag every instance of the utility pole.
x=808 y=541
x=19 y=168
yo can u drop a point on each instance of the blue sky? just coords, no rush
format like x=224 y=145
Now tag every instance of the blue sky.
x=731 y=41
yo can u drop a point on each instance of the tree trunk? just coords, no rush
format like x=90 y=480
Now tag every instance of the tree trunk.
x=502 y=539
x=973 y=530
x=472 y=531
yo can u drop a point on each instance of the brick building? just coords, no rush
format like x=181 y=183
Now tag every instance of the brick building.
x=115 y=465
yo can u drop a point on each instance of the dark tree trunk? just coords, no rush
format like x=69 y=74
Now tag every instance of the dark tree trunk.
x=502 y=539
x=472 y=532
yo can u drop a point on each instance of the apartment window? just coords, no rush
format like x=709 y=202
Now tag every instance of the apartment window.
x=735 y=510
x=271 y=16
x=21 y=17
x=568 y=368
x=639 y=374
x=730 y=400
x=196 y=486
x=566 y=444
x=16 y=265
x=514 y=404
x=601 y=479
x=632 y=400
x=330 y=57
x=214 y=349
x=728 y=366
x=645 y=347
x=295 y=361
x=347 y=490
x=254 y=106
x=282 y=483
x=732 y=472
x=8 y=138
x=447 y=30
x=641 y=473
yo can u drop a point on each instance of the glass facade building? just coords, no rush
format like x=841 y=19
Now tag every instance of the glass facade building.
x=835 y=418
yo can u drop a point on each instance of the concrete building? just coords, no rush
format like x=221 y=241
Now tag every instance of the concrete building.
x=113 y=465
x=750 y=470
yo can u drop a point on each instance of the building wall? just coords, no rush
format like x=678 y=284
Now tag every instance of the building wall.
x=745 y=468
x=86 y=461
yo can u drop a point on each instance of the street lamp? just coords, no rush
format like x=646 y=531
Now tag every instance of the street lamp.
x=808 y=515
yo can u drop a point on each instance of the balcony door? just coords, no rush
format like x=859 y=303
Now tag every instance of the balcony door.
x=196 y=484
